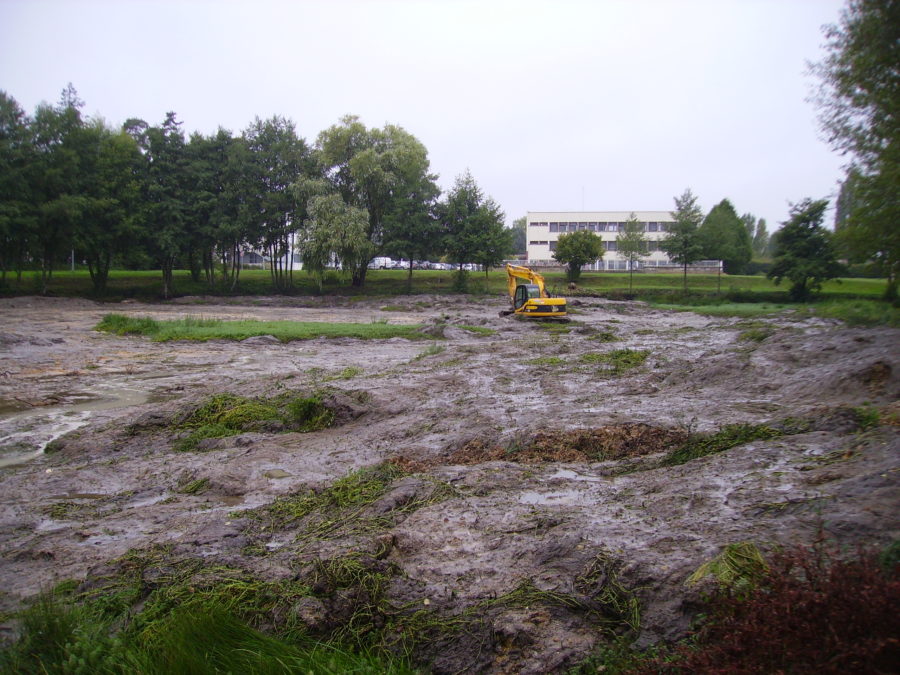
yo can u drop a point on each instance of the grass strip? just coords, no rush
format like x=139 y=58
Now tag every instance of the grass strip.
x=192 y=328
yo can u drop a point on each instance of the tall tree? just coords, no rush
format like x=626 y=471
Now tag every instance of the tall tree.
x=472 y=226
x=374 y=169
x=411 y=228
x=55 y=178
x=804 y=252
x=165 y=195
x=859 y=103
x=724 y=237
x=683 y=244
x=110 y=171
x=576 y=250
x=632 y=245
x=759 y=234
x=17 y=212
x=520 y=235
x=279 y=157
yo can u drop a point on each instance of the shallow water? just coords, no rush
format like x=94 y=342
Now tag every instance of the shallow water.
x=25 y=434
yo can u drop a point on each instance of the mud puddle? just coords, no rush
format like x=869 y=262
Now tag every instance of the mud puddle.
x=26 y=432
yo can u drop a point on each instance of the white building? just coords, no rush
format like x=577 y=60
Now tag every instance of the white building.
x=544 y=227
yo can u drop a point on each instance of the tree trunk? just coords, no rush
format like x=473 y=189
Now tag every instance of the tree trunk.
x=359 y=275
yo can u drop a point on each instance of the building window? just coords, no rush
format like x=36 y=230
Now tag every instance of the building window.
x=610 y=245
x=653 y=227
x=552 y=245
x=554 y=227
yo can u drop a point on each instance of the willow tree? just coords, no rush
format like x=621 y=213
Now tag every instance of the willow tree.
x=376 y=170
x=859 y=102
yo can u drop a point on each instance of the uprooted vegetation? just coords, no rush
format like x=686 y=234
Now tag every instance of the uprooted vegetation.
x=357 y=504
x=226 y=415
x=578 y=445
x=142 y=611
x=616 y=442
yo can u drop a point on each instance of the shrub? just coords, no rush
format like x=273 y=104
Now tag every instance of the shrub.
x=811 y=613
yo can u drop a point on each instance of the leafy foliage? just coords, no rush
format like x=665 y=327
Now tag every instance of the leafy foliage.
x=683 y=245
x=859 y=103
x=804 y=253
x=576 y=250
x=632 y=245
x=724 y=237
x=473 y=227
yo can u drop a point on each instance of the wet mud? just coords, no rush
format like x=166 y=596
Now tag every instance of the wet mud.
x=528 y=502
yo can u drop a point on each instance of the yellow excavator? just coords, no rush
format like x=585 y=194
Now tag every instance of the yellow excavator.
x=531 y=298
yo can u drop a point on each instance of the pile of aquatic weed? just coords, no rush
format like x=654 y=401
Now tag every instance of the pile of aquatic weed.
x=616 y=441
x=728 y=436
x=225 y=415
x=363 y=503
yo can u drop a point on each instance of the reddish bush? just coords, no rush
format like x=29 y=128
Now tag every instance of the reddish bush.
x=812 y=613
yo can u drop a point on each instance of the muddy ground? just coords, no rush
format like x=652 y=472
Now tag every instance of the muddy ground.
x=504 y=426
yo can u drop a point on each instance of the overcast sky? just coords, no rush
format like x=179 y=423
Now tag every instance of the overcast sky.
x=553 y=106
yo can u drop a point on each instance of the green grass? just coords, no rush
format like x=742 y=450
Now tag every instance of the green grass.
x=749 y=309
x=214 y=329
x=204 y=636
x=147 y=285
x=859 y=312
x=432 y=350
x=618 y=361
x=853 y=311
x=546 y=361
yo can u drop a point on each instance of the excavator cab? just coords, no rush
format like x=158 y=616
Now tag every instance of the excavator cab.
x=524 y=292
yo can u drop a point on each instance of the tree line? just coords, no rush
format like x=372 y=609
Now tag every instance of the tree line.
x=720 y=235
x=147 y=197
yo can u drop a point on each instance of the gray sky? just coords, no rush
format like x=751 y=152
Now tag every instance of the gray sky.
x=555 y=105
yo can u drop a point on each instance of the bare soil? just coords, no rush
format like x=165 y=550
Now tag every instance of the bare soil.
x=548 y=461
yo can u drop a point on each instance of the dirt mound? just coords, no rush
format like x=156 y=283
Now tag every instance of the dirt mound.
x=615 y=441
